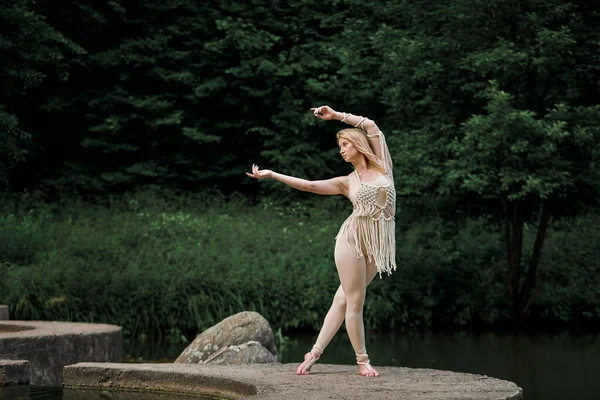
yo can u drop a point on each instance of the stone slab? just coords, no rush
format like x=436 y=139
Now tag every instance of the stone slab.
x=3 y=313
x=49 y=346
x=279 y=381
x=14 y=372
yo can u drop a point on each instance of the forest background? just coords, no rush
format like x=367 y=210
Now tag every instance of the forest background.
x=126 y=127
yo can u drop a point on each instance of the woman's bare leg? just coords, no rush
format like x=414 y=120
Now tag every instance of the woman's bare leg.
x=333 y=320
x=335 y=316
x=371 y=272
x=354 y=273
x=331 y=324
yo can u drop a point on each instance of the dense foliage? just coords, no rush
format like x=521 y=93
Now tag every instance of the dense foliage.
x=106 y=95
x=157 y=265
x=491 y=107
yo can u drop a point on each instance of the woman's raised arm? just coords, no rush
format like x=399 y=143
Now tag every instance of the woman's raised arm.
x=374 y=134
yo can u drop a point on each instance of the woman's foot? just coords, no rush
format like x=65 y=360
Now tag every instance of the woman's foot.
x=367 y=370
x=309 y=359
x=364 y=365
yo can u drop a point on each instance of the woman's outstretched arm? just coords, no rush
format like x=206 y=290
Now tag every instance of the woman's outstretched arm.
x=332 y=186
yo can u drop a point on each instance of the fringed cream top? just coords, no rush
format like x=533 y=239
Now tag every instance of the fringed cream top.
x=372 y=220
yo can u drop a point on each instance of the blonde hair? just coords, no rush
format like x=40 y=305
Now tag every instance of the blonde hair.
x=359 y=140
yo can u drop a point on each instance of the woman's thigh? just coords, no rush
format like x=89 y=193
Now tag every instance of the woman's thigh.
x=352 y=269
x=371 y=271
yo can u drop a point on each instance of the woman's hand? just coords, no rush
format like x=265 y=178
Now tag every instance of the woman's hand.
x=256 y=173
x=324 y=112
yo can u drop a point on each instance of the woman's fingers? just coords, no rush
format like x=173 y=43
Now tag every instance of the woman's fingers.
x=317 y=111
x=255 y=172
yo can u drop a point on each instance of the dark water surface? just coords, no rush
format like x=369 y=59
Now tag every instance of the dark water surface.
x=547 y=366
x=30 y=393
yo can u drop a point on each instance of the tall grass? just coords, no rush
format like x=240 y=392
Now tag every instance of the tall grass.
x=172 y=266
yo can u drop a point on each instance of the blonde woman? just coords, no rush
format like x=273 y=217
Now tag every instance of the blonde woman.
x=365 y=244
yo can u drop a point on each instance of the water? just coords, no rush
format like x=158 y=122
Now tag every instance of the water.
x=547 y=366
x=30 y=393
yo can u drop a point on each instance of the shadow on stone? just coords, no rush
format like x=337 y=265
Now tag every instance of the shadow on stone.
x=70 y=394
x=14 y=328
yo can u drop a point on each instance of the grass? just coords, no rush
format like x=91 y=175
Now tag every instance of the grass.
x=171 y=266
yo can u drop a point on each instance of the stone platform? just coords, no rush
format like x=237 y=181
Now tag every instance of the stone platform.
x=49 y=346
x=279 y=381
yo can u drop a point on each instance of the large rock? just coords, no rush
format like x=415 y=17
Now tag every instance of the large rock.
x=247 y=353
x=239 y=329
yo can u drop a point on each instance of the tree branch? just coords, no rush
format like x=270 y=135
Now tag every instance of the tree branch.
x=527 y=293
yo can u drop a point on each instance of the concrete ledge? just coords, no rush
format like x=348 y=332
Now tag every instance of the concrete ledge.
x=49 y=346
x=279 y=381
x=17 y=372
x=3 y=313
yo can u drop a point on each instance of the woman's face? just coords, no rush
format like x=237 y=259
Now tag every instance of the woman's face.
x=347 y=150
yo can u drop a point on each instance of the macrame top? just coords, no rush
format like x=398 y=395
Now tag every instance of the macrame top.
x=372 y=220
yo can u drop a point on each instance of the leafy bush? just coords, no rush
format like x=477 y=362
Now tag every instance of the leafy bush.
x=175 y=265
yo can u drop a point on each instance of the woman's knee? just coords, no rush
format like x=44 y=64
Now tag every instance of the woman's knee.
x=355 y=303
x=339 y=300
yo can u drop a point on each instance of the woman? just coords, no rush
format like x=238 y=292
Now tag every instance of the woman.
x=365 y=244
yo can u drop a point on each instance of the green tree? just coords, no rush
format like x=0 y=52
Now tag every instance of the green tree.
x=186 y=93
x=129 y=114
x=31 y=52
x=533 y=151
x=533 y=167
